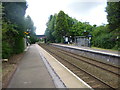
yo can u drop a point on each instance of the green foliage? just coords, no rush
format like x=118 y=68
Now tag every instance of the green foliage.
x=0 y=30
x=19 y=45
x=103 y=39
x=104 y=36
x=13 y=27
x=79 y=28
x=8 y=39
x=14 y=13
x=50 y=31
x=0 y=13
x=33 y=40
x=113 y=15
x=61 y=25
x=29 y=25
x=57 y=27
x=113 y=10
x=6 y=50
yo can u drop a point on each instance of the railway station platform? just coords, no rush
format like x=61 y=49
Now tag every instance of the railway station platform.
x=38 y=69
x=107 y=56
x=31 y=72
x=102 y=51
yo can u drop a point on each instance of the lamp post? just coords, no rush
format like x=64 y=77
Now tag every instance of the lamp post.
x=64 y=39
x=27 y=36
x=70 y=39
x=89 y=38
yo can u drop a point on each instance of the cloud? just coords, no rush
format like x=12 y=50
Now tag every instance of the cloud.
x=83 y=7
x=97 y=16
x=84 y=10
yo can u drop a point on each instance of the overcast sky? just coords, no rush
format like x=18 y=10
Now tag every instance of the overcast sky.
x=92 y=11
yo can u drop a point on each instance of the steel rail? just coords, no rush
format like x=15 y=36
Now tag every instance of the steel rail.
x=88 y=58
x=91 y=63
x=81 y=69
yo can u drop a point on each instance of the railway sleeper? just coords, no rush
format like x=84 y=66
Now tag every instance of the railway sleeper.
x=85 y=77
x=80 y=74
x=89 y=82
x=96 y=86
x=73 y=69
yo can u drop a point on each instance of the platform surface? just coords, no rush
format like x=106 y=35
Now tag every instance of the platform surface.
x=107 y=52
x=38 y=69
x=68 y=78
x=31 y=72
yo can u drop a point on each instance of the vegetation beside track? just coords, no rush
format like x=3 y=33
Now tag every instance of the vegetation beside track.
x=105 y=36
x=15 y=28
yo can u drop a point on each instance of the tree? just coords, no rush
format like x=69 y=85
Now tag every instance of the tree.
x=0 y=30
x=9 y=35
x=81 y=29
x=61 y=26
x=14 y=12
x=113 y=10
x=30 y=29
x=13 y=28
x=51 y=28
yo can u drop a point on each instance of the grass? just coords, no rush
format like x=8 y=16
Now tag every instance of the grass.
x=105 y=49
x=97 y=48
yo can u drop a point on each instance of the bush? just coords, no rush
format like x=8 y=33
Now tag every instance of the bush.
x=104 y=41
x=19 y=45
x=6 y=50
x=32 y=40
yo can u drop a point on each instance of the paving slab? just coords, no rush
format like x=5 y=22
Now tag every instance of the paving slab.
x=31 y=72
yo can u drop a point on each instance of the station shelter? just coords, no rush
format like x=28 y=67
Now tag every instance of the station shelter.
x=83 y=41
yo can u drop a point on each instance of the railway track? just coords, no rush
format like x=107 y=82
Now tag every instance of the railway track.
x=94 y=81
x=104 y=66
